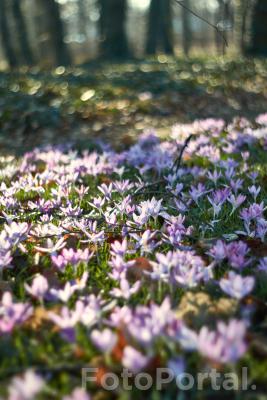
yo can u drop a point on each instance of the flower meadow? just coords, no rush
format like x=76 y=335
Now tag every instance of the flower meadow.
x=154 y=256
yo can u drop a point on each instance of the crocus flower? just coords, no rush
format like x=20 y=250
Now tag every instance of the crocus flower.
x=197 y=192
x=226 y=344
x=254 y=191
x=72 y=257
x=263 y=264
x=214 y=176
x=146 y=243
x=218 y=251
x=77 y=394
x=5 y=259
x=12 y=314
x=147 y=209
x=146 y=324
x=236 y=201
x=69 y=289
x=252 y=212
x=16 y=232
x=177 y=366
x=26 y=387
x=105 y=340
x=235 y=252
x=133 y=360
x=51 y=247
x=236 y=286
x=125 y=290
x=39 y=287
x=119 y=248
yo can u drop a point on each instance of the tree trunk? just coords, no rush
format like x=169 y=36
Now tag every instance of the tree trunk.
x=187 y=32
x=241 y=17
x=219 y=23
x=243 y=31
x=6 y=36
x=55 y=29
x=82 y=19
x=160 y=32
x=259 y=29
x=112 y=29
x=23 y=39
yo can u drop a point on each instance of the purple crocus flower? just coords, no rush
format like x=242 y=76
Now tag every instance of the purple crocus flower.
x=78 y=394
x=26 y=387
x=254 y=211
x=226 y=344
x=5 y=259
x=119 y=248
x=16 y=232
x=104 y=340
x=72 y=257
x=236 y=286
x=254 y=191
x=197 y=191
x=146 y=242
x=134 y=360
x=263 y=264
x=12 y=314
x=177 y=366
x=146 y=324
x=236 y=201
x=218 y=251
x=39 y=287
x=235 y=252
x=125 y=291
x=180 y=267
x=148 y=209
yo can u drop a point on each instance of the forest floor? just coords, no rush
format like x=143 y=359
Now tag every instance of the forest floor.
x=143 y=249
x=117 y=102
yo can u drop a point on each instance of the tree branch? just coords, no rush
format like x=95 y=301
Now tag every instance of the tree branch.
x=180 y=3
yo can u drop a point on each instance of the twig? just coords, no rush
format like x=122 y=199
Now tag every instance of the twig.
x=180 y=2
x=177 y=162
x=140 y=190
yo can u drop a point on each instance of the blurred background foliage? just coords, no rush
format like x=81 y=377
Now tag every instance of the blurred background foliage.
x=65 y=32
x=73 y=69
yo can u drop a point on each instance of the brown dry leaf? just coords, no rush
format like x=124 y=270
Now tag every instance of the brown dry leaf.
x=256 y=247
x=38 y=318
x=117 y=352
x=198 y=309
x=136 y=272
x=72 y=240
x=106 y=180
x=78 y=352
x=114 y=238
x=154 y=364
x=100 y=373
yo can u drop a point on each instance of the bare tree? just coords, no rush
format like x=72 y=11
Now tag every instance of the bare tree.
x=55 y=29
x=186 y=24
x=259 y=29
x=6 y=36
x=160 y=30
x=82 y=18
x=241 y=23
x=113 y=43
x=25 y=49
x=223 y=21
